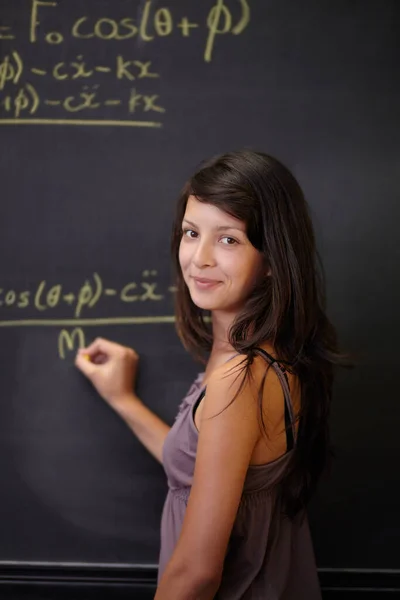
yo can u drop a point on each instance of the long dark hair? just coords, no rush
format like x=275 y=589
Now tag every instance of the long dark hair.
x=286 y=309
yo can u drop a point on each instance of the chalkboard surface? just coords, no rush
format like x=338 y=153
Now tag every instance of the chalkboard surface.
x=106 y=107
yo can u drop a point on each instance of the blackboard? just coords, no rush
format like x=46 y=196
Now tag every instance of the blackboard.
x=106 y=107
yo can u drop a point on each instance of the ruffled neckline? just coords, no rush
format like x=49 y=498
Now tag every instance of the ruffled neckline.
x=200 y=377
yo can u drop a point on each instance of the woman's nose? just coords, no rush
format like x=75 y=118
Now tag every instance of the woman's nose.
x=204 y=255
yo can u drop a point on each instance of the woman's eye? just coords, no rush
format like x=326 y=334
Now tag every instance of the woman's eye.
x=189 y=233
x=229 y=241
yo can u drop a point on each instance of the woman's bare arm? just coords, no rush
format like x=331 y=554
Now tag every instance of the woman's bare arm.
x=145 y=424
x=112 y=370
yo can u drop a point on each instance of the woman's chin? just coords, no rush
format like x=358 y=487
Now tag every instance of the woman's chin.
x=207 y=302
x=210 y=306
x=202 y=304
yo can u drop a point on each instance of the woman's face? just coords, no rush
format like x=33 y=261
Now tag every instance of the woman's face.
x=219 y=264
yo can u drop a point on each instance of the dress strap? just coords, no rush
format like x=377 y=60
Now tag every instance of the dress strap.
x=283 y=378
x=289 y=412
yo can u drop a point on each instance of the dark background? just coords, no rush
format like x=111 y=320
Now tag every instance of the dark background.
x=313 y=83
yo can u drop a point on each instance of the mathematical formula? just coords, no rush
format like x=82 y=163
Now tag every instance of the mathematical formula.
x=27 y=101
x=151 y=24
x=45 y=297
x=12 y=69
x=103 y=96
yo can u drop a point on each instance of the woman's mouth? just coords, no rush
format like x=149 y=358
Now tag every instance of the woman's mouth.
x=205 y=284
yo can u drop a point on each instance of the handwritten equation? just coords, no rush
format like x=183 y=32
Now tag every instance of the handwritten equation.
x=35 y=307
x=12 y=68
x=122 y=90
x=26 y=99
x=46 y=297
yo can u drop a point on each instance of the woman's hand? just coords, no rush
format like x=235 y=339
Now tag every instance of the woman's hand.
x=111 y=368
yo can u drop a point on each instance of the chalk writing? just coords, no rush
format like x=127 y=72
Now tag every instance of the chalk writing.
x=70 y=340
x=26 y=96
x=152 y=23
x=11 y=69
x=26 y=100
x=122 y=68
x=46 y=296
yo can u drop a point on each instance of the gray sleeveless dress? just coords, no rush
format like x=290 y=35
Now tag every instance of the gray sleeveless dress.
x=269 y=557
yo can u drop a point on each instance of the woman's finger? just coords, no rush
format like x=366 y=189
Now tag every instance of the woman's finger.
x=84 y=363
x=95 y=346
x=99 y=358
x=100 y=345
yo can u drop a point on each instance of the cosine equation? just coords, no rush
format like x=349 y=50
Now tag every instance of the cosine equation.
x=26 y=101
x=46 y=297
x=13 y=68
x=152 y=23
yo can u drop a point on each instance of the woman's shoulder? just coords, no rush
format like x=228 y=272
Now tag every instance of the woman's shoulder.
x=236 y=367
x=261 y=373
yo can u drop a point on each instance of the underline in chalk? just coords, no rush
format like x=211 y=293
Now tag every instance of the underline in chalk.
x=82 y=122
x=88 y=322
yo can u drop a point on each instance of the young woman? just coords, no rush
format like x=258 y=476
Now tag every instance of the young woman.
x=250 y=440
